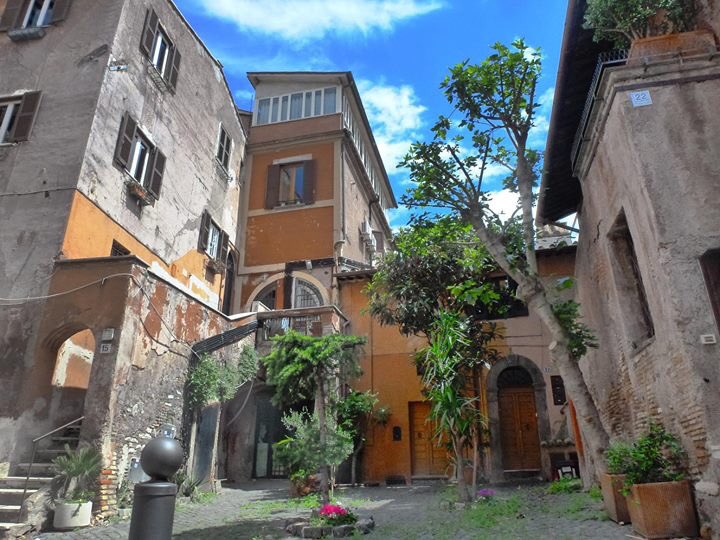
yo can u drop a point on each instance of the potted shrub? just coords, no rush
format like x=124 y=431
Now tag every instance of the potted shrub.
x=660 y=499
x=649 y=27
x=79 y=469
x=612 y=482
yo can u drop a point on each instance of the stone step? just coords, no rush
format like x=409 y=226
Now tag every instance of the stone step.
x=66 y=440
x=50 y=453
x=9 y=513
x=45 y=469
x=14 y=496
x=18 y=482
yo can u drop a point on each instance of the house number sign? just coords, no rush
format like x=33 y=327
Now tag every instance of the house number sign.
x=641 y=98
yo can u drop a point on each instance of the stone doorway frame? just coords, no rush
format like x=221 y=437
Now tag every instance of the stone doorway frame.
x=497 y=472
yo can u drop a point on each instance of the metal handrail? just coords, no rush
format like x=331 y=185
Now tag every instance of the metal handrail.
x=35 y=442
x=605 y=60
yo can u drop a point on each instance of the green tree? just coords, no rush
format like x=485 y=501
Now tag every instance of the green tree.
x=353 y=412
x=304 y=367
x=494 y=105
x=439 y=272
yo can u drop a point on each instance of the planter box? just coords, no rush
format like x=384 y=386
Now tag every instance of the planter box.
x=72 y=515
x=663 y=510
x=615 y=502
x=698 y=42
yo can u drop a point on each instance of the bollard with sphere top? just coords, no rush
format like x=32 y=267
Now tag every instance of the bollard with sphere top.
x=153 y=508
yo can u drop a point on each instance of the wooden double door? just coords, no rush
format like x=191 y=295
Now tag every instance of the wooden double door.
x=519 y=429
x=428 y=459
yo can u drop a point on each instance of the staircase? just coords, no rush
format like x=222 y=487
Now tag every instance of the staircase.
x=12 y=488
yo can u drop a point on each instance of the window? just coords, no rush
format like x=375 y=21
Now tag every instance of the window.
x=160 y=51
x=629 y=284
x=17 y=116
x=8 y=115
x=118 y=250
x=558 y=390
x=20 y=14
x=710 y=264
x=306 y=295
x=224 y=149
x=296 y=106
x=213 y=240
x=290 y=184
x=137 y=155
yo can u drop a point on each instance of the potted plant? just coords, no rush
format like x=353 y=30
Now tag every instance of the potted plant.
x=650 y=27
x=612 y=482
x=79 y=469
x=660 y=499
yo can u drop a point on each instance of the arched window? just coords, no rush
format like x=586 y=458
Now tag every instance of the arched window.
x=306 y=295
x=268 y=296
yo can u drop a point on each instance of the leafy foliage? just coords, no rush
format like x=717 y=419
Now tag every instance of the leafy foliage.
x=657 y=456
x=297 y=361
x=352 y=409
x=302 y=451
x=619 y=457
x=580 y=336
x=209 y=380
x=565 y=485
x=622 y=21
x=79 y=468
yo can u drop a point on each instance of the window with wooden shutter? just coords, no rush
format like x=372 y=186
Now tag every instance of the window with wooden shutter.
x=204 y=231
x=558 y=390
x=60 y=10
x=309 y=182
x=149 y=31
x=156 y=175
x=12 y=16
x=710 y=264
x=126 y=139
x=174 y=69
x=26 y=117
x=224 y=247
x=273 y=187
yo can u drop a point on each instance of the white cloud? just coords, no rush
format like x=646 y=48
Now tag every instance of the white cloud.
x=395 y=115
x=311 y=20
x=504 y=203
x=239 y=64
x=244 y=95
x=538 y=133
x=398 y=217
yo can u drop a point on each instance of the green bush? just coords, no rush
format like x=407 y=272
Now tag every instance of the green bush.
x=565 y=485
x=619 y=457
x=622 y=21
x=301 y=452
x=657 y=456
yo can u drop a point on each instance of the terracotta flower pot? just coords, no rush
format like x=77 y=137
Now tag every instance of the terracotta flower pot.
x=697 y=42
x=663 y=510
x=615 y=502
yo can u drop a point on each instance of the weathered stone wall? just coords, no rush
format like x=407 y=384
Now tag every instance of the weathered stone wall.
x=659 y=165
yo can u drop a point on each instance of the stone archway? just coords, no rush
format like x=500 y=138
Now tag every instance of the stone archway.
x=497 y=472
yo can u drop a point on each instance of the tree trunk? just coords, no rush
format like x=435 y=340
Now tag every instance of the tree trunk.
x=476 y=431
x=458 y=443
x=353 y=463
x=533 y=292
x=322 y=421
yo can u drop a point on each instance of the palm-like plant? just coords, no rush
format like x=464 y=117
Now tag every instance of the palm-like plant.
x=79 y=468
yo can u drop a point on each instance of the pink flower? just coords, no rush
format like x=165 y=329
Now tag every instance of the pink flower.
x=332 y=510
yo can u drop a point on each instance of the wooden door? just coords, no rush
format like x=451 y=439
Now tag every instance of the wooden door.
x=428 y=459
x=519 y=429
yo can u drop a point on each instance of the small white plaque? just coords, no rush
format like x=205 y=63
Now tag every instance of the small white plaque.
x=105 y=348
x=641 y=98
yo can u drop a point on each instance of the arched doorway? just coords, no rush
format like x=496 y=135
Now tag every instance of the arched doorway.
x=71 y=375
x=518 y=421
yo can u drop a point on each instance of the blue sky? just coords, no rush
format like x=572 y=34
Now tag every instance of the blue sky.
x=398 y=51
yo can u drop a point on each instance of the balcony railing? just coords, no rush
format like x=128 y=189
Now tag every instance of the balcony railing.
x=313 y=321
x=606 y=60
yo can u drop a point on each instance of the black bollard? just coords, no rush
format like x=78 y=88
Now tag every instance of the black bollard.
x=154 y=503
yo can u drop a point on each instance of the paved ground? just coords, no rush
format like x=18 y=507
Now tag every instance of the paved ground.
x=258 y=510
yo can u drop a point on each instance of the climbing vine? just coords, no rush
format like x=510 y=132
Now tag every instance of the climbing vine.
x=210 y=380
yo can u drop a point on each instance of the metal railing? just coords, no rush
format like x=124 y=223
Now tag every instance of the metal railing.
x=35 y=442
x=605 y=60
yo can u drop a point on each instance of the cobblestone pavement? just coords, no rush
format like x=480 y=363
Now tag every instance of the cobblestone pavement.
x=258 y=511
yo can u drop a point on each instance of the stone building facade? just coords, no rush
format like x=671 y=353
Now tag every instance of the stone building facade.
x=643 y=175
x=120 y=156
